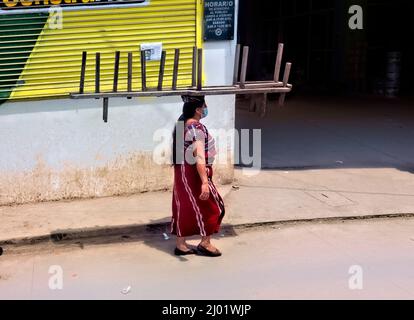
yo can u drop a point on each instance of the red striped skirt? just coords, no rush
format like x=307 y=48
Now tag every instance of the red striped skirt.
x=190 y=215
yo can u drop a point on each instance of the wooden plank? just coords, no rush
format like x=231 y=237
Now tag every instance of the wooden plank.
x=278 y=64
x=263 y=85
x=263 y=105
x=285 y=83
x=240 y=86
x=244 y=67
x=143 y=71
x=253 y=102
x=162 y=69
x=116 y=70
x=270 y=82
x=82 y=75
x=194 y=68
x=200 y=70
x=258 y=104
x=237 y=87
x=236 y=64
x=191 y=92
x=175 y=70
x=129 y=80
x=97 y=71
x=105 y=109
x=287 y=74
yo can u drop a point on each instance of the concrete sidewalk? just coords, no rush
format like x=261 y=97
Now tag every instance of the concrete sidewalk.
x=270 y=196
x=279 y=195
x=23 y=223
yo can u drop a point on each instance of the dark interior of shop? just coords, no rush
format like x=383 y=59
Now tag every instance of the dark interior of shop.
x=352 y=99
x=328 y=57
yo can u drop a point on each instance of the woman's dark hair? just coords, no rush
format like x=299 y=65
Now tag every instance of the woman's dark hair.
x=191 y=104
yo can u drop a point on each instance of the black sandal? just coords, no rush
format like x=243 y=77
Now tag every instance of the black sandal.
x=179 y=252
x=203 y=251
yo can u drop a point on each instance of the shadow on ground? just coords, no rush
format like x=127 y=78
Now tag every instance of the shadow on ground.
x=155 y=235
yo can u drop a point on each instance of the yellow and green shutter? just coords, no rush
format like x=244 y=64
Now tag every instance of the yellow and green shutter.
x=39 y=61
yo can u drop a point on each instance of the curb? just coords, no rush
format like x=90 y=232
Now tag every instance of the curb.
x=96 y=232
x=146 y=230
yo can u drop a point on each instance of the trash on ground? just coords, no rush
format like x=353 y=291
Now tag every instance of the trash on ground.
x=166 y=237
x=126 y=290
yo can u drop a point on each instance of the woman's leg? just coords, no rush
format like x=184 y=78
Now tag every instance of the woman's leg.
x=181 y=244
x=206 y=243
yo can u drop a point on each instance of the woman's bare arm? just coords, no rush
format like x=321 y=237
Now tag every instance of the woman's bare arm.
x=201 y=169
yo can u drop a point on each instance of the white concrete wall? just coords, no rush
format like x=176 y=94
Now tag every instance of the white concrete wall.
x=62 y=149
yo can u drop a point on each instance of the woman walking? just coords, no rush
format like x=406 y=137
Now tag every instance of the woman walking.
x=197 y=207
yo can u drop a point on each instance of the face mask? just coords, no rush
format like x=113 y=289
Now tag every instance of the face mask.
x=205 y=113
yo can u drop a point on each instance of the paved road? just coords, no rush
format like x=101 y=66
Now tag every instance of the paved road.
x=305 y=261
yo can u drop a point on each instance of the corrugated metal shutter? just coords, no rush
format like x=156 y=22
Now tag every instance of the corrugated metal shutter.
x=37 y=61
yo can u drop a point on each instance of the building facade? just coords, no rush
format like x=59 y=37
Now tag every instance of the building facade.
x=53 y=147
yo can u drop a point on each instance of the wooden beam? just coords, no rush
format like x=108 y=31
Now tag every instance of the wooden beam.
x=236 y=65
x=175 y=70
x=129 y=80
x=194 y=68
x=262 y=85
x=83 y=71
x=200 y=70
x=97 y=72
x=253 y=102
x=190 y=92
x=263 y=105
x=244 y=66
x=162 y=68
x=278 y=64
x=105 y=109
x=116 y=70
x=285 y=83
x=143 y=70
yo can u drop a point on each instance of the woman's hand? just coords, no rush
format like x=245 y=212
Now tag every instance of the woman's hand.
x=205 y=192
